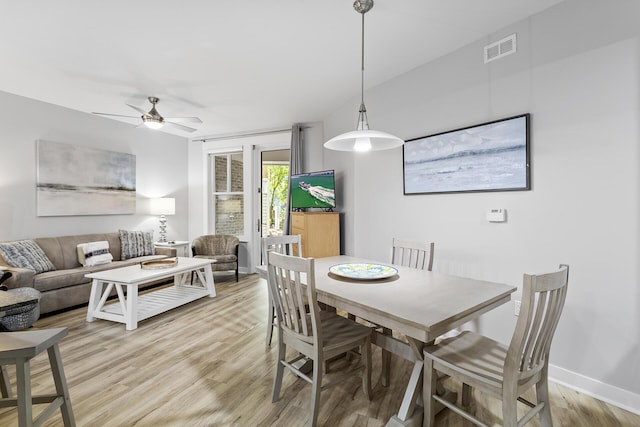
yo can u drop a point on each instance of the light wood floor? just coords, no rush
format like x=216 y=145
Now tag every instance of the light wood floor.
x=205 y=364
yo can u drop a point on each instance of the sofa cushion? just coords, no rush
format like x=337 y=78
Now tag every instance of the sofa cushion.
x=220 y=259
x=26 y=254
x=75 y=276
x=136 y=243
x=94 y=253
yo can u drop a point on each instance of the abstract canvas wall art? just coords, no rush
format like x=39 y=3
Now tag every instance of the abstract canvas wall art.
x=491 y=156
x=77 y=180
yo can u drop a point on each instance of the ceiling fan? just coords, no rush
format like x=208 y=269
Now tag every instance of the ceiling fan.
x=153 y=120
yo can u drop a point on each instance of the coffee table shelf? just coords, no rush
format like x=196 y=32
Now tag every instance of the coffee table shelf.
x=156 y=302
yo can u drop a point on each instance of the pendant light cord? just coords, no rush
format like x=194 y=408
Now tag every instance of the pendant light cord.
x=362 y=68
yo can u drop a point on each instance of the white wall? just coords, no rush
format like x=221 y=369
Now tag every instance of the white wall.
x=577 y=72
x=161 y=169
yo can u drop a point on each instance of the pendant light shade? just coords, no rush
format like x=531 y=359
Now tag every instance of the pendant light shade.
x=363 y=138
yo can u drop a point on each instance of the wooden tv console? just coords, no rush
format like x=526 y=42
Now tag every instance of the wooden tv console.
x=320 y=232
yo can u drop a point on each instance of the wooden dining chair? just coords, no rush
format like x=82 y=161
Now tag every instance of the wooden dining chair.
x=412 y=254
x=503 y=372
x=287 y=245
x=18 y=348
x=318 y=335
x=406 y=253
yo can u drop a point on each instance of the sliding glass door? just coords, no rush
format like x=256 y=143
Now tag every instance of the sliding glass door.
x=273 y=191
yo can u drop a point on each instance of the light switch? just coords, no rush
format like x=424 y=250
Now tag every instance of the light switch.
x=497 y=215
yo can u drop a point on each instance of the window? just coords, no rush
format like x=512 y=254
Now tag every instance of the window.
x=227 y=196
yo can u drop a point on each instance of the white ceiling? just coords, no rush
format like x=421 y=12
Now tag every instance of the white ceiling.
x=239 y=65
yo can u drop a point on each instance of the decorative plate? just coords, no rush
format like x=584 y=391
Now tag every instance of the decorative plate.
x=157 y=264
x=363 y=271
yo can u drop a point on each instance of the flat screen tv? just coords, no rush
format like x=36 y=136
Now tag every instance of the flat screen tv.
x=313 y=190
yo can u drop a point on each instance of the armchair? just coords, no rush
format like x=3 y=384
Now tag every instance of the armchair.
x=221 y=247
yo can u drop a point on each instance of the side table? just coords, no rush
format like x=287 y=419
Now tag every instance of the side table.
x=182 y=247
x=19 y=308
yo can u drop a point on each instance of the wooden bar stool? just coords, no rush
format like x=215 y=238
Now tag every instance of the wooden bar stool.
x=18 y=348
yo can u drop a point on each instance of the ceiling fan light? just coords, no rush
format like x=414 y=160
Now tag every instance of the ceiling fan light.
x=152 y=123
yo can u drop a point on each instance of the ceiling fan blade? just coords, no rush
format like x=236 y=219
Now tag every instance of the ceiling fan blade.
x=180 y=127
x=138 y=109
x=115 y=115
x=184 y=119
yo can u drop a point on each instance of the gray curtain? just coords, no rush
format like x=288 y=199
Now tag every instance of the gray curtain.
x=295 y=167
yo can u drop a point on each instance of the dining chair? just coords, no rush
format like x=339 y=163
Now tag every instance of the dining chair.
x=414 y=254
x=18 y=348
x=287 y=245
x=318 y=335
x=500 y=371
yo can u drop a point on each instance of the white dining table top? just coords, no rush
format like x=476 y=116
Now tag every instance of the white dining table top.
x=418 y=303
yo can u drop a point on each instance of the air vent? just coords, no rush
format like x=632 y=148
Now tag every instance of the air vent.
x=500 y=49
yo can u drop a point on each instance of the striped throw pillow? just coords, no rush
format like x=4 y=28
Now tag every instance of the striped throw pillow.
x=136 y=243
x=94 y=253
x=26 y=254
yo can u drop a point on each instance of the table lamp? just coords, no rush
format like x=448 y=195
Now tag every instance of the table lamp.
x=163 y=206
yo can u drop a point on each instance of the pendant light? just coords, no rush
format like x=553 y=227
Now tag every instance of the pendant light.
x=363 y=138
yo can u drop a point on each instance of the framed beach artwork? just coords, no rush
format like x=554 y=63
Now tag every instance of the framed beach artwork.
x=77 y=180
x=492 y=156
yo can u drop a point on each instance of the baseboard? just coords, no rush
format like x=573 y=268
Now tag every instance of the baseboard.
x=616 y=396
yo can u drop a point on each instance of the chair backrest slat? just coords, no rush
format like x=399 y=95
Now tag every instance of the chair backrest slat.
x=556 y=302
x=291 y=298
x=543 y=298
x=412 y=254
x=287 y=245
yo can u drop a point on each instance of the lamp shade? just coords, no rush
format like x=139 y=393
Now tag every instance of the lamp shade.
x=163 y=206
x=379 y=141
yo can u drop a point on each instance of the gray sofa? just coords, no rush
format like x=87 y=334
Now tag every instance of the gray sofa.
x=66 y=286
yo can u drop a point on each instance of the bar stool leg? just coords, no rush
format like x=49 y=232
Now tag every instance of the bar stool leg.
x=61 y=385
x=5 y=387
x=23 y=380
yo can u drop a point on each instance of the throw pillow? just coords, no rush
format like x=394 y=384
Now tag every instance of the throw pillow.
x=136 y=243
x=26 y=254
x=94 y=253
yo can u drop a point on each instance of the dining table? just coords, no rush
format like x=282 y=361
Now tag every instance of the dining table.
x=417 y=305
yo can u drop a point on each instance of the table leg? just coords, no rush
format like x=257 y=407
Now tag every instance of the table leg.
x=410 y=414
x=94 y=298
x=180 y=279
x=131 y=315
x=210 y=285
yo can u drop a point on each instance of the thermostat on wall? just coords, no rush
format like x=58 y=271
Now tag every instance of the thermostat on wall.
x=497 y=215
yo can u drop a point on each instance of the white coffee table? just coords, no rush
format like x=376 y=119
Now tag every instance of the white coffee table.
x=130 y=307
